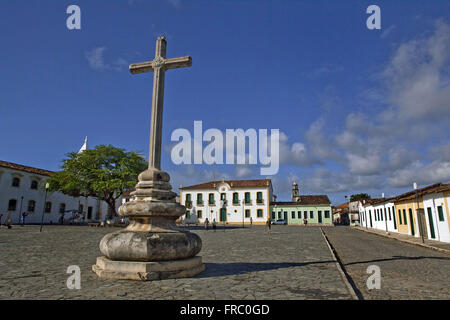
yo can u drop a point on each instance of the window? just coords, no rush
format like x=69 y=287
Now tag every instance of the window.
x=273 y=215
x=259 y=198
x=34 y=185
x=293 y=214
x=440 y=213
x=12 y=204
x=31 y=205
x=16 y=182
x=211 y=200
x=259 y=213
x=223 y=196
x=299 y=214
x=327 y=214
x=89 y=215
x=247 y=213
x=199 y=214
x=48 y=207
x=199 y=198
x=381 y=214
x=400 y=216
x=62 y=208
x=390 y=217
x=235 y=198
x=311 y=214
x=279 y=215
x=247 y=197
x=305 y=214
x=404 y=217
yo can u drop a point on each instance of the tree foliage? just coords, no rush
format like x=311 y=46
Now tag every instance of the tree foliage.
x=359 y=196
x=105 y=172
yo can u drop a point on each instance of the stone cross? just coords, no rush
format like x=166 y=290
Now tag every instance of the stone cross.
x=159 y=65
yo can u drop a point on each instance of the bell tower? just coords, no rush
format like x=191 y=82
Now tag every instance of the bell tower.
x=295 y=194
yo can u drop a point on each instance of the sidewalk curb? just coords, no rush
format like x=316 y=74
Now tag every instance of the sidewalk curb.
x=345 y=277
x=405 y=241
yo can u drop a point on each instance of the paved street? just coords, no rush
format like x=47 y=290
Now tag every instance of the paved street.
x=407 y=271
x=291 y=263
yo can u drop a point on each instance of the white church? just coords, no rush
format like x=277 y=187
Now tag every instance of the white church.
x=22 y=189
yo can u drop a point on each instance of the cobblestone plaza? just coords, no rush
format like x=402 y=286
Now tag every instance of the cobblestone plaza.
x=290 y=263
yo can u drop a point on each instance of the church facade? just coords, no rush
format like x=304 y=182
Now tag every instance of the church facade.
x=235 y=202
x=22 y=189
x=314 y=209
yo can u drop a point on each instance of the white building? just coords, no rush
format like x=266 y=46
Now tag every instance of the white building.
x=22 y=189
x=437 y=215
x=379 y=214
x=230 y=202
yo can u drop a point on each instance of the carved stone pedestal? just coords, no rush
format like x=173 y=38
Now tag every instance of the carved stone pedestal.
x=151 y=247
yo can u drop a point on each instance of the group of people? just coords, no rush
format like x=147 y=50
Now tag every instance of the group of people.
x=8 y=222
x=214 y=224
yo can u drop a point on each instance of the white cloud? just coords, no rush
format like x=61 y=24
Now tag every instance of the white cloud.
x=96 y=60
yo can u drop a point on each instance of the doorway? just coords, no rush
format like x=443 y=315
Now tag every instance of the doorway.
x=223 y=215
x=430 y=221
x=319 y=216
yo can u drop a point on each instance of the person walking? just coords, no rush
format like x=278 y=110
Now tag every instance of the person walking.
x=269 y=226
x=1 y=216
x=305 y=221
x=22 y=218
x=251 y=221
x=206 y=224
x=214 y=225
x=8 y=220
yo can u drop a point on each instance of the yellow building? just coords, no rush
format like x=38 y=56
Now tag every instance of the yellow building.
x=410 y=220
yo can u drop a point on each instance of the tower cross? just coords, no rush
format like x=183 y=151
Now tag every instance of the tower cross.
x=158 y=66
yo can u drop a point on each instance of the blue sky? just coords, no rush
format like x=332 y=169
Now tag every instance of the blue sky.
x=359 y=110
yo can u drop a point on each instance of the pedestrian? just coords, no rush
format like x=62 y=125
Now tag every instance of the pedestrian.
x=251 y=221
x=214 y=225
x=269 y=226
x=8 y=220
x=22 y=218
x=305 y=221
x=206 y=224
x=1 y=216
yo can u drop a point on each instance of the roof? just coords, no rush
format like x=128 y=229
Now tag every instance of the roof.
x=305 y=201
x=343 y=205
x=20 y=167
x=438 y=187
x=233 y=183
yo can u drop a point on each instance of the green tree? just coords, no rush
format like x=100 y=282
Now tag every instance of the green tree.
x=359 y=196
x=105 y=172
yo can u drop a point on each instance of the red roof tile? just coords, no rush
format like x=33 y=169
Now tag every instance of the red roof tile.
x=20 y=167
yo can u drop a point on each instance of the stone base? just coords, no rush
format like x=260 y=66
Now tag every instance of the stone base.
x=147 y=271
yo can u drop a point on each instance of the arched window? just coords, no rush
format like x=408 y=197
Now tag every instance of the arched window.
x=34 y=184
x=31 y=205
x=16 y=182
x=12 y=204
x=48 y=207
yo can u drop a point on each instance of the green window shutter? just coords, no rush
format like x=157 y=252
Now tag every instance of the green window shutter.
x=235 y=197
x=211 y=198
x=247 y=213
x=400 y=216
x=441 y=213
x=188 y=197
x=247 y=197
x=260 y=213
x=199 y=214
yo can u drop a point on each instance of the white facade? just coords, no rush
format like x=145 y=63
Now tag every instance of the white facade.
x=380 y=215
x=437 y=224
x=224 y=209
x=23 y=190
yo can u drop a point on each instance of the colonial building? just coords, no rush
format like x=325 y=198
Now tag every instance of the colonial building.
x=230 y=202
x=379 y=214
x=316 y=209
x=22 y=189
x=437 y=213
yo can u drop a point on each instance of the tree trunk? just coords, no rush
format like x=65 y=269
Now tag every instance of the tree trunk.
x=112 y=205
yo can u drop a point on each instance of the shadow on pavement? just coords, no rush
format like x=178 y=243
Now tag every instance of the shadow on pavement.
x=396 y=258
x=227 y=269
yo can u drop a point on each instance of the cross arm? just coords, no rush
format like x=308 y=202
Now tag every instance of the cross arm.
x=181 y=62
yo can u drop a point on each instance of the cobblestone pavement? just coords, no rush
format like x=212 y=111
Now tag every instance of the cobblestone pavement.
x=407 y=271
x=291 y=263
